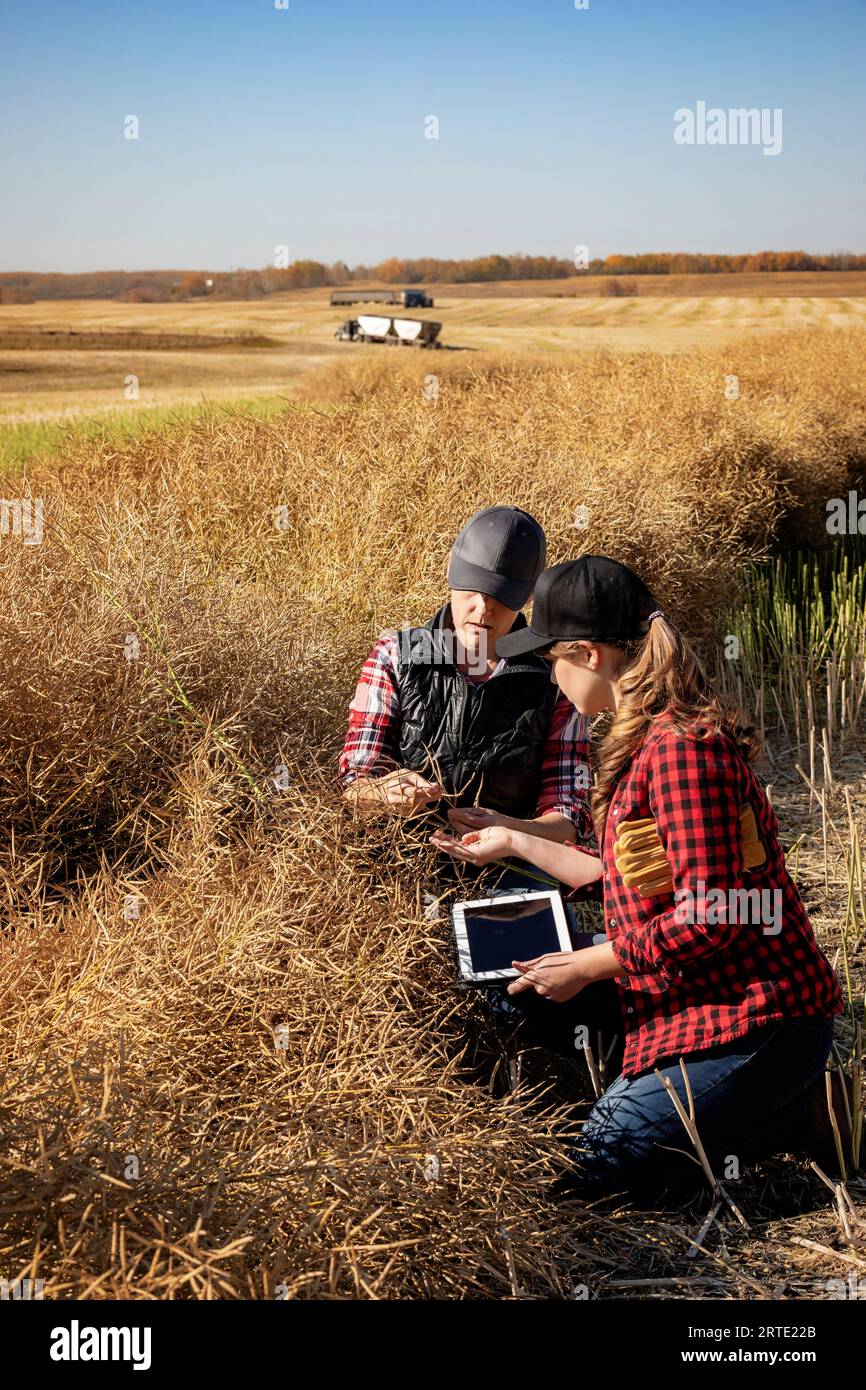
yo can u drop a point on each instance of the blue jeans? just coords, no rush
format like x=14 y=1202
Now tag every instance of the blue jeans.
x=746 y=1092
x=741 y=1089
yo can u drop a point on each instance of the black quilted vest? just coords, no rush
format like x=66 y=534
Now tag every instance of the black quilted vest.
x=483 y=743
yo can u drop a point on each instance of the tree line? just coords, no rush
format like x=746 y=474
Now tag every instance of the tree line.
x=159 y=286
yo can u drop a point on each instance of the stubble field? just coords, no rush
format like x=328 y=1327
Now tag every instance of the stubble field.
x=236 y=1063
x=669 y=314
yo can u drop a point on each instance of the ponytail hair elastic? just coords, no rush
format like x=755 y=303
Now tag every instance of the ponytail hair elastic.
x=656 y=613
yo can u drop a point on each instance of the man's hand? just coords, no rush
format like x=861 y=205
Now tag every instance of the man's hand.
x=465 y=818
x=477 y=846
x=401 y=791
x=557 y=976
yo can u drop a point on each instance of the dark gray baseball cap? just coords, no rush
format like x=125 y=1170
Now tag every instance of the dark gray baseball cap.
x=500 y=552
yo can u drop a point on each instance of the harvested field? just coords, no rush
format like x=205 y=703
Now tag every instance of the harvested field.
x=57 y=339
x=670 y=314
x=235 y=1057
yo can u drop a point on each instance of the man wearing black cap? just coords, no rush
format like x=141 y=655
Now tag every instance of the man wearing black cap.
x=437 y=715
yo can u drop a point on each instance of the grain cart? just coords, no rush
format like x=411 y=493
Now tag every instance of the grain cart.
x=375 y=328
x=417 y=332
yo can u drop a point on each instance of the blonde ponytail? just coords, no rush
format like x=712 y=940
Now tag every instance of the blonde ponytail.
x=659 y=674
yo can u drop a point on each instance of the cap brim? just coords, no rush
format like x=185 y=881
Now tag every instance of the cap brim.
x=514 y=593
x=522 y=640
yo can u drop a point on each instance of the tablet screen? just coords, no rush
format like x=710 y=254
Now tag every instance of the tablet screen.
x=499 y=933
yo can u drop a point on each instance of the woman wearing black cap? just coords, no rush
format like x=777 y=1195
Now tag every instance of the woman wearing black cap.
x=713 y=956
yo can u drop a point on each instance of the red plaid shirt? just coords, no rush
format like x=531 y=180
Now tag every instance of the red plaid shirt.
x=702 y=972
x=373 y=740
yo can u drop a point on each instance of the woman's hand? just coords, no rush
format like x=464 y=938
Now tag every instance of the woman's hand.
x=477 y=846
x=558 y=976
x=552 y=825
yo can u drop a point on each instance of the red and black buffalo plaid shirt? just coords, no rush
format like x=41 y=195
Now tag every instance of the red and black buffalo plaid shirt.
x=373 y=737
x=702 y=973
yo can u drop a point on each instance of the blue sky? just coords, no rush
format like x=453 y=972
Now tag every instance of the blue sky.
x=305 y=127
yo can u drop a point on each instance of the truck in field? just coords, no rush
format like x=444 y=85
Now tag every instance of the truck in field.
x=410 y=299
x=415 y=299
x=394 y=332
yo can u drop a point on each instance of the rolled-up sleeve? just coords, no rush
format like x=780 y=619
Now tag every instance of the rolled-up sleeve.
x=371 y=745
x=695 y=794
x=565 y=774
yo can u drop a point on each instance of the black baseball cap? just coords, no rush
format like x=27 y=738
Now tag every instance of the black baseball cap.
x=593 y=599
x=500 y=552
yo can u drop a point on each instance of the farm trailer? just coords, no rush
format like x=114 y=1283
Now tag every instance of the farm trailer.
x=374 y=328
x=409 y=299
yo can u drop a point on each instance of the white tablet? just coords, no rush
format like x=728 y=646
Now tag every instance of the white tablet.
x=492 y=932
